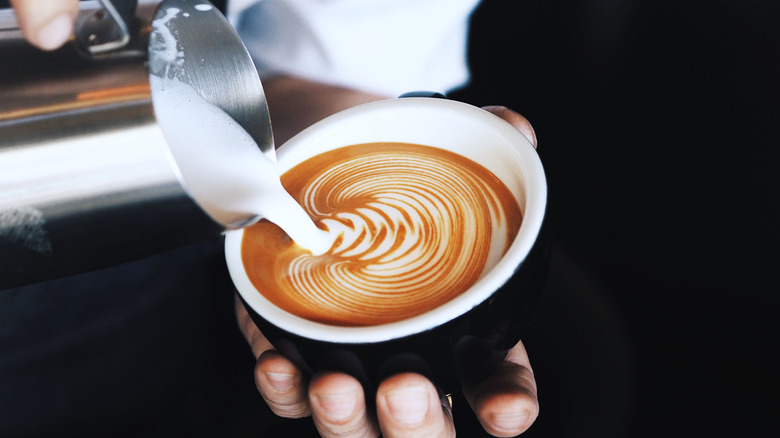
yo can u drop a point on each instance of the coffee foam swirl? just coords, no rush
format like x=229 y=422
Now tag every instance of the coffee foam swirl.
x=412 y=227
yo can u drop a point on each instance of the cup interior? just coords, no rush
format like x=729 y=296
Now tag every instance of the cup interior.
x=450 y=125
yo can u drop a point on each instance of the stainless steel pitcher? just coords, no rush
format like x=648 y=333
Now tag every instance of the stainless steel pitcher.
x=87 y=178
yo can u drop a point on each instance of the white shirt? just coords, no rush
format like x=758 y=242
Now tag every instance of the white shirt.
x=387 y=47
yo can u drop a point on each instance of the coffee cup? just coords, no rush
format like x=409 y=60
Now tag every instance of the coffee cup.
x=463 y=338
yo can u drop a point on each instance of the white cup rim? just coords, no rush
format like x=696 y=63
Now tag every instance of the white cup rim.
x=533 y=217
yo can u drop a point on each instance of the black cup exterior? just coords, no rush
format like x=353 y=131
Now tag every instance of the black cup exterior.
x=463 y=349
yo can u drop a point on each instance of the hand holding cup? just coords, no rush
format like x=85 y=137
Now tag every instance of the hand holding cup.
x=504 y=394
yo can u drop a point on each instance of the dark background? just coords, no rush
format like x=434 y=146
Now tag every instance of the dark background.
x=658 y=125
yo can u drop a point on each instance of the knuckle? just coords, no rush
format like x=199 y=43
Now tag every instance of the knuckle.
x=288 y=408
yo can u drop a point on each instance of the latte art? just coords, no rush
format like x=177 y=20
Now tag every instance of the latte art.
x=412 y=227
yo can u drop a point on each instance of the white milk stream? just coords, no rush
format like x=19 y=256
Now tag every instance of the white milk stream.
x=222 y=167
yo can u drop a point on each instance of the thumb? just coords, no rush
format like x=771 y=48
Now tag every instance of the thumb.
x=46 y=24
x=521 y=123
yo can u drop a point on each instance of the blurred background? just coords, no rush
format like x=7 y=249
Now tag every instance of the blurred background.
x=658 y=125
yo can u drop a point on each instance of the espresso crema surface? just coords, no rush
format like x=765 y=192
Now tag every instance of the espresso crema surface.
x=412 y=227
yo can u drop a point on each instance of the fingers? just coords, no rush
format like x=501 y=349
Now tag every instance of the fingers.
x=46 y=23
x=282 y=385
x=257 y=342
x=338 y=407
x=521 y=123
x=279 y=381
x=506 y=402
x=409 y=406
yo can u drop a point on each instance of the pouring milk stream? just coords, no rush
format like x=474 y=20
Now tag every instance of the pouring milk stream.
x=243 y=181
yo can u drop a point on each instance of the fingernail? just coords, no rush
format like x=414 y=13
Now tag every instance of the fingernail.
x=408 y=405
x=510 y=421
x=337 y=406
x=280 y=382
x=55 y=33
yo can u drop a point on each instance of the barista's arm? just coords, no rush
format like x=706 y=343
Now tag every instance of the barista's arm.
x=297 y=103
x=407 y=405
x=46 y=23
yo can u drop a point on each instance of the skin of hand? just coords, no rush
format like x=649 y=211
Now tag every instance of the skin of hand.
x=47 y=24
x=407 y=405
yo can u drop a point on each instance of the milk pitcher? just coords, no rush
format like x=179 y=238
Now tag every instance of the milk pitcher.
x=88 y=177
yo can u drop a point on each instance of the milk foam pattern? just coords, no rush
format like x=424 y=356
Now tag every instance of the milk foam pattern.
x=413 y=226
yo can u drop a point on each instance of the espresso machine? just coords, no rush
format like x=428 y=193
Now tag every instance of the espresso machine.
x=87 y=177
